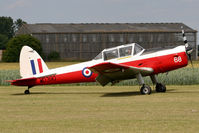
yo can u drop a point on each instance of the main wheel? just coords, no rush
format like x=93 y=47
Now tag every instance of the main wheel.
x=26 y=92
x=145 y=89
x=160 y=87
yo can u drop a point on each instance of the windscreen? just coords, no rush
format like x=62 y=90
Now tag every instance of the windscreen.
x=137 y=49
x=99 y=56
x=125 y=51
x=111 y=54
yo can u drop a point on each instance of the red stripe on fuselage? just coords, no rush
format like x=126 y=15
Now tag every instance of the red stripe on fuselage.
x=40 y=65
x=159 y=64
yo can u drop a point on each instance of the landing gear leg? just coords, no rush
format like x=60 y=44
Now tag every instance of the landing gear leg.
x=159 y=86
x=27 y=91
x=145 y=89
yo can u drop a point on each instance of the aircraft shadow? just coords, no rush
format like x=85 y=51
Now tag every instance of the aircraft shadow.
x=130 y=93
x=121 y=94
x=103 y=94
x=32 y=93
x=182 y=92
x=58 y=93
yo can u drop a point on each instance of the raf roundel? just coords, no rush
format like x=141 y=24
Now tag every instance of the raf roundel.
x=86 y=72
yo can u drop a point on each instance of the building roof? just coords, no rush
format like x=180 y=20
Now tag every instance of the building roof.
x=104 y=27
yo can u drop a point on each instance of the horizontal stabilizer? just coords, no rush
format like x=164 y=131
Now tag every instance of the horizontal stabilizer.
x=23 y=81
x=28 y=81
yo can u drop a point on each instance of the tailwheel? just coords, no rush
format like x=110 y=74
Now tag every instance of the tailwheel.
x=160 y=87
x=145 y=89
x=26 y=92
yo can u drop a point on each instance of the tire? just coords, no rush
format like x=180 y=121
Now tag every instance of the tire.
x=160 y=87
x=26 y=92
x=145 y=90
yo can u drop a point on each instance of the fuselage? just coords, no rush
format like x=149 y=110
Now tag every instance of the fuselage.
x=160 y=61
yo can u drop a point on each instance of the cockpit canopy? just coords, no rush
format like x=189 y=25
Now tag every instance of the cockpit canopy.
x=120 y=51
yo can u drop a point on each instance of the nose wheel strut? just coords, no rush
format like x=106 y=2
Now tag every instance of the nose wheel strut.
x=145 y=89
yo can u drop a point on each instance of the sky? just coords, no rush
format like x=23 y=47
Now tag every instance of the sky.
x=103 y=11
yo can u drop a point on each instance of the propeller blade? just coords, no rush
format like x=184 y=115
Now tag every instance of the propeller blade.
x=188 y=48
x=189 y=56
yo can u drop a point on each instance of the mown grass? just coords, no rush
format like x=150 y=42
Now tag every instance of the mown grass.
x=95 y=109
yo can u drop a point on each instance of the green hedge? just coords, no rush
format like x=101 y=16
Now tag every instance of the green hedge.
x=15 y=44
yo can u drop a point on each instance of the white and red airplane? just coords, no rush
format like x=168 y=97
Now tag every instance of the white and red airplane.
x=111 y=65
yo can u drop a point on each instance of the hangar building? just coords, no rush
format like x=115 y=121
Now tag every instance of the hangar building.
x=85 y=41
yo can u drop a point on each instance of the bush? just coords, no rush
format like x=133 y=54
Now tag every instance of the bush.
x=15 y=44
x=53 y=56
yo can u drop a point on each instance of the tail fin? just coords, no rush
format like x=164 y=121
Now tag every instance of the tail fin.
x=31 y=63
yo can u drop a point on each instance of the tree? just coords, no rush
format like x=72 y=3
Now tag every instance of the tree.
x=3 y=41
x=7 y=26
x=18 y=23
x=8 y=29
x=15 y=44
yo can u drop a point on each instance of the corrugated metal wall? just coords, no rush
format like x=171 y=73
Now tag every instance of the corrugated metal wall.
x=85 y=46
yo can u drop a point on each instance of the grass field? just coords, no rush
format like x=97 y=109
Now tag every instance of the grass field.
x=95 y=109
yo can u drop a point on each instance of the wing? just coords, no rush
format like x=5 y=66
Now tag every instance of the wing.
x=109 y=72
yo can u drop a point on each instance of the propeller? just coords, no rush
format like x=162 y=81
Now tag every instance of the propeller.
x=188 y=48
